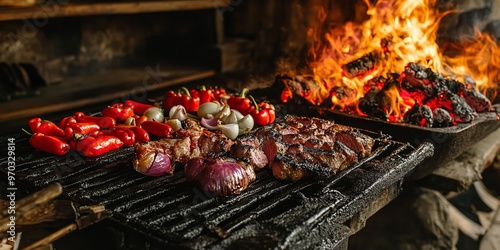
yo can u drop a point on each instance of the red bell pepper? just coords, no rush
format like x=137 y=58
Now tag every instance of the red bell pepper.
x=240 y=102
x=138 y=107
x=189 y=99
x=263 y=113
x=49 y=144
x=103 y=122
x=171 y=99
x=218 y=92
x=95 y=146
x=117 y=113
x=45 y=127
x=206 y=95
x=190 y=102
x=157 y=128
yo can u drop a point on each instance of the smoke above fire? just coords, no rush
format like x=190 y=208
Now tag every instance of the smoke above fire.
x=395 y=34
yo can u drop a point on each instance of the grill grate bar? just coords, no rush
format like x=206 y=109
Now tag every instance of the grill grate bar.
x=254 y=214
x=135 y=194
x=258 y=186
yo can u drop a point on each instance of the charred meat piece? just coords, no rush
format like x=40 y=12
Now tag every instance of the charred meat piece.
x=311 y=163
x=476 y=100
x=222 y=175
x=361 y=66
x=186 y=144
x=295 y=161
x=419 y=115
x=247 y=147
x=301 y=122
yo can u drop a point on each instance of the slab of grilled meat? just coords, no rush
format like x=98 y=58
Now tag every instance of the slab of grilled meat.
x=295 y=148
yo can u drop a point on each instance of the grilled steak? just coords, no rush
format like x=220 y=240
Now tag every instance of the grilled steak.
x=296 y=148
x=247 y=147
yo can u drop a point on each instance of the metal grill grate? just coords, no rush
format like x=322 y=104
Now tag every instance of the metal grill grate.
x=172 y=212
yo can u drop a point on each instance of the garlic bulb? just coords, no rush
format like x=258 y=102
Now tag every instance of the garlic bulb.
x=178 y=112
x=223 y=113
x=130 y=121
x=174 y=123
x=245 y=124
x=233 y=117
x=229 y=130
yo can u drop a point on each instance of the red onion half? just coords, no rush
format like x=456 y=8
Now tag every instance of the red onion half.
x=220 y=176
x=154 y=164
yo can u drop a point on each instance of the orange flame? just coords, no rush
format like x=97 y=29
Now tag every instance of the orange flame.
x=397 y=32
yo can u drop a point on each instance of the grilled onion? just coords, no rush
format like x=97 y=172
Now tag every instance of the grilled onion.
x=217 y=175
x=154 y=164
x=154 y=114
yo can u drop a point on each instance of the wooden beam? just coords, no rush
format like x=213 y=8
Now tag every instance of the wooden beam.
x=113 y=8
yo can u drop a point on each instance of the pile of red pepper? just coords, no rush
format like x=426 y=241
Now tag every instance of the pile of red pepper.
x=263 y=113
x=92 y=136
x=191 y=99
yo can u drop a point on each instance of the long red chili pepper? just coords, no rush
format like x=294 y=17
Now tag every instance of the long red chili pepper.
x=125 y=135
x=157 y=128
x=117 y=113
x=138 y=107
x=49 y=144
x=96 y=146
x=66 y=121
x=103 y=122
x=240 y=102
x=45 y=127
x=141 y=135
x=263 y=113
x=84 y=127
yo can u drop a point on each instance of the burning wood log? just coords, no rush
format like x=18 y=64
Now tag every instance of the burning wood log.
x=360 y=66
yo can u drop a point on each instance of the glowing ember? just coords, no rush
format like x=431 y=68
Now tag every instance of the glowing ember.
x=391 y=64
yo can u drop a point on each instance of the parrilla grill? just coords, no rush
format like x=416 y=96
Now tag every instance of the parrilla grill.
x=170 y=211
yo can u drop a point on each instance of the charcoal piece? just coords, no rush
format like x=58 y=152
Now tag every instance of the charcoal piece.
x=454 y=86
x=455 y=105
x=442 y=118
x=372 y=104
x=422 y=82
x=476 y=100
x=419 y=115
x=360 y=66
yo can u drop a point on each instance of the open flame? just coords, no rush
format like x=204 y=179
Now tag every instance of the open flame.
x=351 y=58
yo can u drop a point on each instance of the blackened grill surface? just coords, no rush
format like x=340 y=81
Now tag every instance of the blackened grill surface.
x=168 y=211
